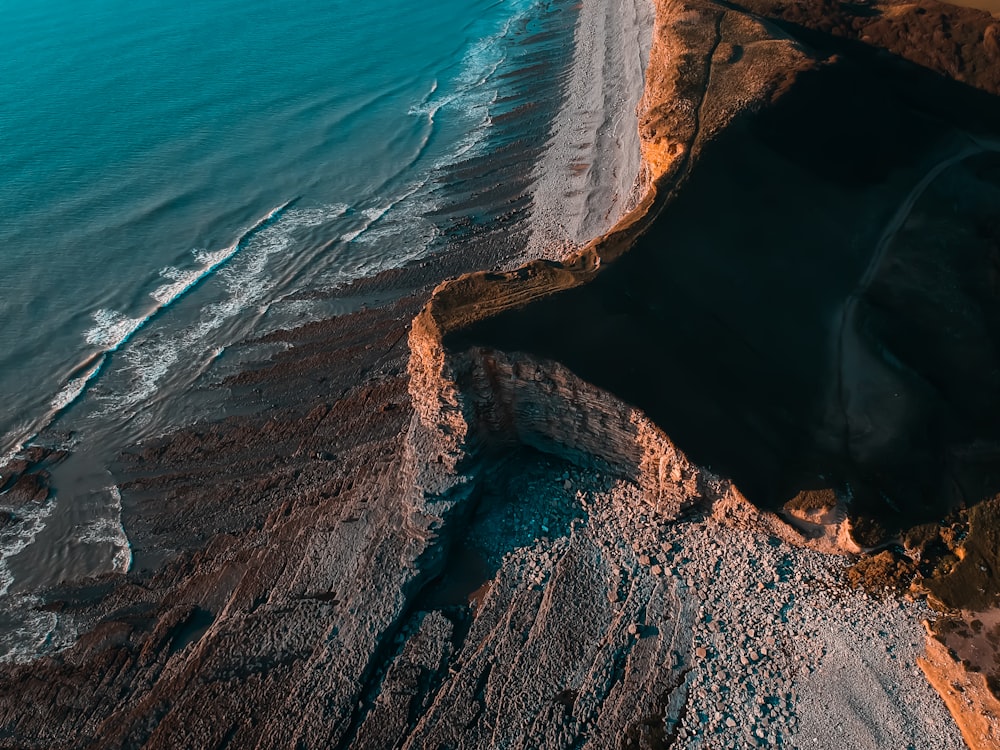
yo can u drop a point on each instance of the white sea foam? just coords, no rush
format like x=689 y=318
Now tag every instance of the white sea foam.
x=108 y=529
x=111 y=328
x=181 y=280
x=17 y=535
x=75 y=386
x=372 y=215
x=30 y=631
x=27 y=631
x=247 y=285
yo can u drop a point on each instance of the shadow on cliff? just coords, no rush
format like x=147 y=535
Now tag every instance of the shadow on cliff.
x=817 y=306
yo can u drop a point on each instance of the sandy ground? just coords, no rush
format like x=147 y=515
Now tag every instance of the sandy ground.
x=587 y=179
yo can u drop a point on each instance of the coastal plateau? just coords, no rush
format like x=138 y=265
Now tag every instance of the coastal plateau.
x=700 y=483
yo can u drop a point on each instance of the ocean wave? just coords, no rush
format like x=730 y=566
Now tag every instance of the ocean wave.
x=108 y=529
x=475 y=88
x=74 y=387
x=372 y=215
x=29 y=520
x=113 y=329
x=27 y=631
x=247 y=286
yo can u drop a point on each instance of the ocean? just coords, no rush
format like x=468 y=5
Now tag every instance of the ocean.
x=174 y=176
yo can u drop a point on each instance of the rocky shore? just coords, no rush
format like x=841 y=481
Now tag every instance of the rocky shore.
x=466 y=518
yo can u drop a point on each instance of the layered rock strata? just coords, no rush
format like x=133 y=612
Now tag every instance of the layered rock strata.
x=811 y=379
x=463 y=544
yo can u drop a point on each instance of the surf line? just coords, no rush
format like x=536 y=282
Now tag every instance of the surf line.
x=84 y=374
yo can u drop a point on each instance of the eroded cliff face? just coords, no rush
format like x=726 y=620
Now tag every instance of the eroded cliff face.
x=707 y=66
x=767 y=303
x=769 y=307
x=500 y=401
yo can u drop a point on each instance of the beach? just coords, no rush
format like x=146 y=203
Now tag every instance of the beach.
x=490 y=503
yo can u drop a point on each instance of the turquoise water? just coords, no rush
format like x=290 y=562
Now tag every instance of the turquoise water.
x=142 y=140
x=173 y=176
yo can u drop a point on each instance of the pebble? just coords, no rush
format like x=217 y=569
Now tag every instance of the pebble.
x=754 y=706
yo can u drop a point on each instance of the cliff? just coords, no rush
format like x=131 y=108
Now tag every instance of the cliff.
x=500 y=524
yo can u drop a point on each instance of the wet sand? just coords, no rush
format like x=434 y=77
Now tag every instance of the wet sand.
x=590 y=175
x=396 y=543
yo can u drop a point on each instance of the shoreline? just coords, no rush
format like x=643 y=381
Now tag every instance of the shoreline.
x=400 y=539
x=77 y=476
x=401 y=282
x=590 y=174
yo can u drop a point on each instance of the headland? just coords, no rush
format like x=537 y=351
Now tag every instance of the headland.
x=615 y=499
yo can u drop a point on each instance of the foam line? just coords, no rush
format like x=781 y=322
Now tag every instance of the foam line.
x=113 y=330
x=109 y=529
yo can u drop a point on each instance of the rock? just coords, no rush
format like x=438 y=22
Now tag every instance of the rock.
x=29 y=488
x=991 y=42
x=269 y=667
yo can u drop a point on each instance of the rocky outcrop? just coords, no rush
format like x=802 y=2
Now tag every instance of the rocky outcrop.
x=468 y=542
x=501 y=401
x=707 y=66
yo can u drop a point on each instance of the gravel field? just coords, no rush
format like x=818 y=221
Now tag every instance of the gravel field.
x=783 y=653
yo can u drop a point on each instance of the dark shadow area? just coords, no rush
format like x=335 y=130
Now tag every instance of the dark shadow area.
x=521 y=497
x=791 y=318
x=191 y=629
